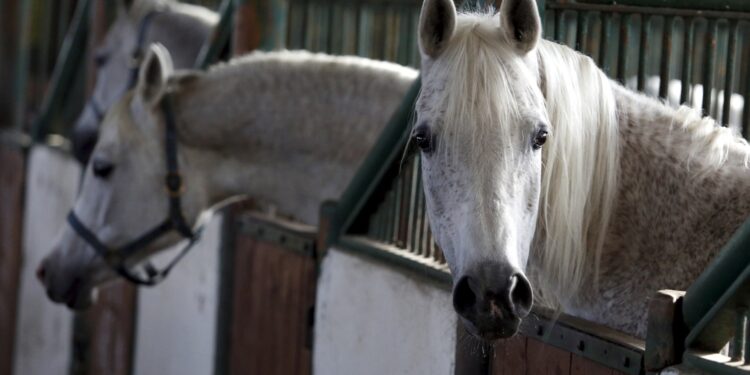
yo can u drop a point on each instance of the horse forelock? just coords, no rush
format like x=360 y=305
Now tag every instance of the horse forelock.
x=580 y=159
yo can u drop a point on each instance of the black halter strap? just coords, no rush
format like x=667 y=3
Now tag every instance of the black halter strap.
x=134 y=64
x=116 y=257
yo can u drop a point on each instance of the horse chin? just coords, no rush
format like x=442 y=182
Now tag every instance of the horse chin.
x=499 y=331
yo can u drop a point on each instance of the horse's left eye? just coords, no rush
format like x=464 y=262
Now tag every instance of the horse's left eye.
x=539 y=139
x=102 y=168
x=422 y=138
x=100 y=59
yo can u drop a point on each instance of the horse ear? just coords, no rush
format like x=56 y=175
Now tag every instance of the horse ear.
x=520 y=21
x=154 y=73
x=436 y=23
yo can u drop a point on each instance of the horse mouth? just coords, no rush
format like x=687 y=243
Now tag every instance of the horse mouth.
x=490 y=334
x=78 y=297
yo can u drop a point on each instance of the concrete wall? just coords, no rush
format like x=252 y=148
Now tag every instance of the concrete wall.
x=176 y=321
x=43 y=334
x=372 y=318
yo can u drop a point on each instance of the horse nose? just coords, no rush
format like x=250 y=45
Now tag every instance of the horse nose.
x=507 y=299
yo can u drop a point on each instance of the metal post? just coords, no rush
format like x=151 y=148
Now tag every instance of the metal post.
x=219 y=38
x=22 y=64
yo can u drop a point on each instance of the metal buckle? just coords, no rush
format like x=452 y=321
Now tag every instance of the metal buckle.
x=174 y=185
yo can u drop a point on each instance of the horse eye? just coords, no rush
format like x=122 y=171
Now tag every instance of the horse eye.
x=102 y=168
x=539 y=138
x=423 y=139
x=100 y=59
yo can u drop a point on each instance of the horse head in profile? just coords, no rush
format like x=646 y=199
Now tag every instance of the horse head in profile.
x=512 y=164
x=182 y=28
x=183 y=142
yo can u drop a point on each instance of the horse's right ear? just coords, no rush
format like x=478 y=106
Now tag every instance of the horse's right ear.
x=153 y=73
x=436 y=23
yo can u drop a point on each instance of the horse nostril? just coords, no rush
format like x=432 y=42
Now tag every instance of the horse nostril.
x=464 y=297
x=521 y=296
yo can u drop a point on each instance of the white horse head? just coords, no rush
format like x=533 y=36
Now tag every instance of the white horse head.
x=181 y=28
x=508 y=158
x=124 y=186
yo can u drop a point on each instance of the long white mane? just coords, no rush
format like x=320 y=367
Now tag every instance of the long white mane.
x=580 y=161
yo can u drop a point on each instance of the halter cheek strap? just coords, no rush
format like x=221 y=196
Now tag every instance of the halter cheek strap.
x=116 y=257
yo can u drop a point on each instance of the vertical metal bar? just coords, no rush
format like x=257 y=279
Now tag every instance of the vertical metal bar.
x=581 y=26
x=687 y=60
x=558 y=25
x=738 y=342
x=622 y=55
x=541 y=5
x=666 y=57
x=644 y=45
x=729 y=79
x=22 y=64
x=746 y=334
x=606 y=37
x=709 y=68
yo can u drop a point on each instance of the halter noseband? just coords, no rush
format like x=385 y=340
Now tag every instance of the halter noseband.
x=115 y=257
x=95 y=106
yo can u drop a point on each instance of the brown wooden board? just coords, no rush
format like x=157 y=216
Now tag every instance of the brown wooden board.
x=273 y=294
x=12 y=168
x=509 y=357
x=110 y=325
x=583 y=366
x=546 y=359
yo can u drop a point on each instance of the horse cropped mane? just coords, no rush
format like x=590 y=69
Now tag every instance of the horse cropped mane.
x=580 y=160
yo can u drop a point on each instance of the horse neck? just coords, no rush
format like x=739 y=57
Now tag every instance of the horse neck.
x=288 y=138
x=673 y=213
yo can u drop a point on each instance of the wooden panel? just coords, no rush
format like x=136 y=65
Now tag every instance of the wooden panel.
x=11 y=209
x=274 y=291
x=110 y=326
x=510 y=357
x=583 y=366
x=546 y=359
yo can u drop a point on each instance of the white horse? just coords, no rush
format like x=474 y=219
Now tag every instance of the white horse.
x=287 y=129
x=182 y=28
x=546 y=182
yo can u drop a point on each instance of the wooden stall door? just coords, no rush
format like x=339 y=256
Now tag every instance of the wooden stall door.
x=272 y=298
x=11 y=210
x=522 y=355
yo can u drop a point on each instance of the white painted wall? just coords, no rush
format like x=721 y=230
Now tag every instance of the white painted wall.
x=372 y=318
x=176 y=321
x=44 y=332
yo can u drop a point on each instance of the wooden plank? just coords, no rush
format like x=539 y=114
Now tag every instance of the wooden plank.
x=11 y=211
x=510 y=357
x=273 y=293
x=472 y=355
x=546 y=359
x=665 y=340
x=583 y=366
x=110 y=324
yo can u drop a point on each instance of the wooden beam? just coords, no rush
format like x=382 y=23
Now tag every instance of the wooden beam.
x=260 y=24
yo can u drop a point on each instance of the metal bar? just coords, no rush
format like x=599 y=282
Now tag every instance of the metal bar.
x=558 y=26
x=70 y=57
x=745 y=333
x=729 y=79
x=687 y=60
x=666 y=57
x=604 y=42
x=219 y=38
x=581 y=27
x=738 y=343
x=22 y=64
x=702 y=295
x=623 y=48
x=649 y=10
x=722 y=5
x=643 y=51
x=709 y=67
